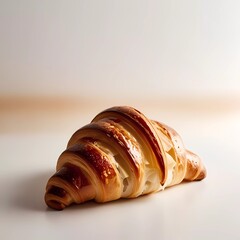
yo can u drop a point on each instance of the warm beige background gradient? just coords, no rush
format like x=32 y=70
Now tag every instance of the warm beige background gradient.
x=119 y=49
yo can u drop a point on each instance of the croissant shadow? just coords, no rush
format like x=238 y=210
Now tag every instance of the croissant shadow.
x=92 y=204
x=29 y=192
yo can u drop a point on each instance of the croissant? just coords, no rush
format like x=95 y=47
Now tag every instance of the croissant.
x=120 y=154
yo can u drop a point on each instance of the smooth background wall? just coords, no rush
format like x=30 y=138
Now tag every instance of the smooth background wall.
x=118 y=49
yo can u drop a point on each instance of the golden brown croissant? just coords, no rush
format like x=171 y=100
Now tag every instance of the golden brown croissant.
x=120 y=154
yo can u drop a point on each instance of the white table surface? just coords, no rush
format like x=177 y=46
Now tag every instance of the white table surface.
x=32 y=137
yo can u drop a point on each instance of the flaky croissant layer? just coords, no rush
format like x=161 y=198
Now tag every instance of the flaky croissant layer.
x=120 y=154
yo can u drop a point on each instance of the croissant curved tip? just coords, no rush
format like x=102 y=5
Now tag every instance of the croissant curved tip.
x=202 y=174
x=56 y=198
x=54 y=204
x=195 y=171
